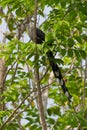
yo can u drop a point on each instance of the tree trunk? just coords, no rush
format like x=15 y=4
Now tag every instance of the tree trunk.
x=2 y=82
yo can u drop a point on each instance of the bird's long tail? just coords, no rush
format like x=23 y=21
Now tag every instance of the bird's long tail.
x=58 y=75
x=40 y=37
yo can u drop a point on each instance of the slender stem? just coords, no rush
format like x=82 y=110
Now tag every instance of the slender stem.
x=85 y=77
x=31 y=99
x=12 y=115
x=40 y=104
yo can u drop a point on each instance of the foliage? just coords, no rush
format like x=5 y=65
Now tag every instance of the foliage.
x=65 y=28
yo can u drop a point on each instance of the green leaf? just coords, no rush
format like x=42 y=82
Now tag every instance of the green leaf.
x=78 y=38
x=71 y=42
x=63 y=52
x=77 y=53
x=70 y=53
x=59 y=61
x=83 y=54
x=49 y=37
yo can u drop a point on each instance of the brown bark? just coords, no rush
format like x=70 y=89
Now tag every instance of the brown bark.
x=2 y=82
x=40 y=103
x=39 y=98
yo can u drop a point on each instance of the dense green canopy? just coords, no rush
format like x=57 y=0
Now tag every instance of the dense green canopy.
x=65 y=25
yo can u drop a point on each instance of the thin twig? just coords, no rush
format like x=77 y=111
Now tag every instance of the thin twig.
x=29 y=69
x=47 y=69
x=71 y=67
x=53 y=125
x=32 y=99
x=8 y=70
x=11 y=116
x=13 y=76
x=68 y=10
x=85 y=79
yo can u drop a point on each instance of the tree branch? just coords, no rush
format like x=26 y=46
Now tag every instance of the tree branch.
x=11 y=116
x=40 y=104
x=31 y=100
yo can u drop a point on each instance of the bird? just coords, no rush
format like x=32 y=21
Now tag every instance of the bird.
x=40 y=38
x=40 y=35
